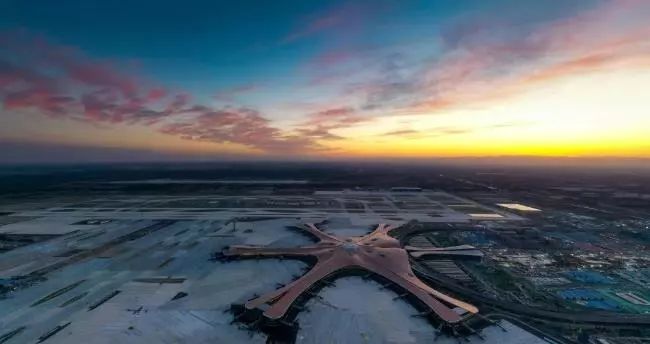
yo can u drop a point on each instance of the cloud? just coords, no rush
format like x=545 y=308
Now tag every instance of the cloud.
x=430 y=132
x=156 y=94
x=347 y=17
x=479 y=60
x=62 y=82
x=401 y=132
x=449 y=130
x=319 y=125
x=320 y=133
x=318 y=23
x=100 y=74
x=393 y=86
x=489 y=58
x=179 y=102
x=337 y=114
x=54 y=105
x=240 y=126
x=335 y=117
x=67 y=63
x=486 y=66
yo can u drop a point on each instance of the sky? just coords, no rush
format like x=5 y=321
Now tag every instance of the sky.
x=377 y=79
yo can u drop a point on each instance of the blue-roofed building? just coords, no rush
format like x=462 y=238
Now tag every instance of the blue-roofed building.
x=588 y=298
x=580 y=294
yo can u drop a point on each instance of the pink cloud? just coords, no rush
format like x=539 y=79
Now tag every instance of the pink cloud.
x=156 y=94
x=485 y=61
x=482 y=61
x=59 y=80
x=321 y=23
x=345 y=17
x=54 y=106
x=319 y=125
x=239 y=126
x=73 y=63
x=179 y=102
x=62 y=82
x=101 y=75
x=479 y=65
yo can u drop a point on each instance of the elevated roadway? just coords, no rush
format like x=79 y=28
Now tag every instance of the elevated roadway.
x=596 y=319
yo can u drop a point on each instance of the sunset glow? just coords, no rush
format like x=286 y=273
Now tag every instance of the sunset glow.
x=342 y=80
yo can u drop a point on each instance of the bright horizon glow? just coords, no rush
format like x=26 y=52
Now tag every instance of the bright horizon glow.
x=596 y=115
x=337 y=80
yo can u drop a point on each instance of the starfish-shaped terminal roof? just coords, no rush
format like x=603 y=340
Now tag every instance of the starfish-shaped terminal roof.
x=376 y=252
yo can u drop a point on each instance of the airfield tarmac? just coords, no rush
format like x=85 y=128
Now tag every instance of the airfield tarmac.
x=361 y=207
x=130 y=276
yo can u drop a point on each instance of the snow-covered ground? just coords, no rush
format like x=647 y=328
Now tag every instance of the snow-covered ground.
x=358 y=311
x=352 y=311
x=355 y=310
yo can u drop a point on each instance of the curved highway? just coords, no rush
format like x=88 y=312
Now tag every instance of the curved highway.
x=591 y=318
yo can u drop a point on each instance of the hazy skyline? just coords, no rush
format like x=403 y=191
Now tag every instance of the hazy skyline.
x=83 y=81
